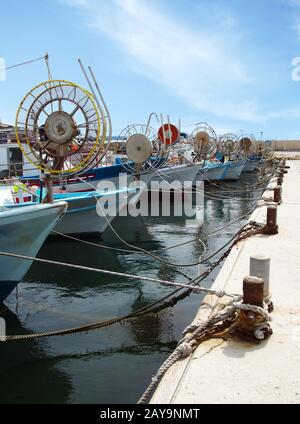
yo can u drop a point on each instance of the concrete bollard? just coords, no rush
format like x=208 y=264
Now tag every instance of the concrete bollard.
x=277 y=194
x=260 y=268
x=253 y=291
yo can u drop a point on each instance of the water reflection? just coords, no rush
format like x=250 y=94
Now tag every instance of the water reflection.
x=112 y=365
x=24 y=378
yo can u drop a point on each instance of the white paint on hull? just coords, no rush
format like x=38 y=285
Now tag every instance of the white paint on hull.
x=23 y=230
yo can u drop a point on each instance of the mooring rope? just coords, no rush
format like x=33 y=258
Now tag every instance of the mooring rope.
x=198 y=333
x=158 y=257
x=204 y=195
x=154 y=256
x=145 y=310
x=256 y=186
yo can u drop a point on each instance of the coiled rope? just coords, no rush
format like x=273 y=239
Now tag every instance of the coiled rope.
x=197 y=333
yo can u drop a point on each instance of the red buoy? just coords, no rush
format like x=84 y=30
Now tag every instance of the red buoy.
x=168 y=134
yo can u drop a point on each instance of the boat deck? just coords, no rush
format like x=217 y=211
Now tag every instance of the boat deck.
x=234 y=371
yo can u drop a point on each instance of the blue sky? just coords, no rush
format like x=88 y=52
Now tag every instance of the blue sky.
x=225 y=62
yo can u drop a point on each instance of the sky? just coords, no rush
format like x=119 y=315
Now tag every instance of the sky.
x=231 y=63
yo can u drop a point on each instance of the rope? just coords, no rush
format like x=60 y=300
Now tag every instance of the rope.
x=141 y=249
x=217 y=196
x=243 y=233
x=159 y=258
x=101 y=246
x=101 y=271
x=250 y=211
x=231 y=188
x=195 y=334
x=145 y=310
x=24 y=63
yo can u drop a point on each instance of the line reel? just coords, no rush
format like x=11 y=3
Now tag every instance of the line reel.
x=229 y=144
x=63 y=126
x=246 y=143
x=204 y=141
x=147 y=149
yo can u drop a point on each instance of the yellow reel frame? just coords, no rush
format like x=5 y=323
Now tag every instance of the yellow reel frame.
x=35 y=104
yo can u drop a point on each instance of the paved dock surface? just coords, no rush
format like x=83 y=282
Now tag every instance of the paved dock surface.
x=235 y=371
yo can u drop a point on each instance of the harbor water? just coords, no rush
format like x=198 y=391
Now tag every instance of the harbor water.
x=112 y=364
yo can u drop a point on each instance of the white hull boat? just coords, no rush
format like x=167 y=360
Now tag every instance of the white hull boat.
x=93 y=212
x=235 y=169
x=253 y=165
x=88 y=212
x=23 y=230
x=213 y=172
x=182 y=173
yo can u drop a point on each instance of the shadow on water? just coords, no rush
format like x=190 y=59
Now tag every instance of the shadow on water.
x=114 y=364
x=24 y=377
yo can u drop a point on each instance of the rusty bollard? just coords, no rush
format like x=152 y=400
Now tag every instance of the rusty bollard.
x=271 y=226
x=277 y=194
x=253 y=291
x=253 y=294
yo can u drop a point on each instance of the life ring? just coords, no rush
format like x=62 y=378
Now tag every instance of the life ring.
x=168 y=134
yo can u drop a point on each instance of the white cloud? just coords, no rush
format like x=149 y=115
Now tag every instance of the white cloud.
x=200 y=68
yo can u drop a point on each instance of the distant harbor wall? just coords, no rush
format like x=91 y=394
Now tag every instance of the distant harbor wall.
x=285 y=145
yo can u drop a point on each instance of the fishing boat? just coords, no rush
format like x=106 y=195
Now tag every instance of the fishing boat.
x=88 y=212
x=201 y=147
x=235 y=169
x=213 y=171
x=253 y=164
x=255 y=151
x=181 y=173
x=93 y=212
x=86 y=181
x=23 y=230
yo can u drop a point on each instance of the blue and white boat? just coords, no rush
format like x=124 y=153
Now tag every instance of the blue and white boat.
x=182 y=173
x=235 y=169
x=92 y=212
x=23 y=230
x=112 y=173
x=212 y=171
x=253 y=164
x=88 y=212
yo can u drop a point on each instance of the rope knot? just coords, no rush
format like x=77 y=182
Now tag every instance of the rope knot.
x=259 y=326
x=184 y=350
x=220 y=293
